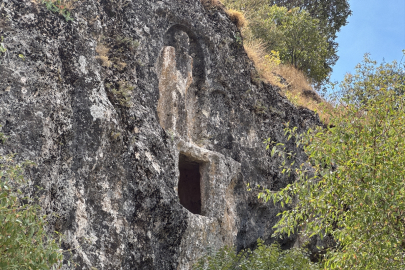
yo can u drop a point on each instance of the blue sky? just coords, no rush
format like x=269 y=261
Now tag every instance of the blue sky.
x=376 y=27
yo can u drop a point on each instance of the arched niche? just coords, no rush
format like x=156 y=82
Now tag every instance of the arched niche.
x=194 y=50
x=181 y=73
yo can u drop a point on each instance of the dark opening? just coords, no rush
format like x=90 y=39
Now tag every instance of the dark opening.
x=189 y=184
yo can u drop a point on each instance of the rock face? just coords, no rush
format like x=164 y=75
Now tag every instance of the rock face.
x=146 y=121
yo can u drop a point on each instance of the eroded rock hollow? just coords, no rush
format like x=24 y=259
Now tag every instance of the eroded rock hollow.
x=146 y=120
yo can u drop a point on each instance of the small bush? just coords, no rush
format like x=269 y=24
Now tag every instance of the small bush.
x=102 y=55
x=237 y=18
x=262 y=258
x=123 y=93
x=24 y=243
x=210 y=4
x=130 y=43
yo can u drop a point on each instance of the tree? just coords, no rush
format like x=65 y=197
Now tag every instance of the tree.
x=332 y=14
x=297 y=37
x=24 y=243
x=359 y=88
x=262 y=258
x=353 y=184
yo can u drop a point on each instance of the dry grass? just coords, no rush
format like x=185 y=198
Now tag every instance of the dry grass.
x=300 y=92
x=257 y=53
x=295 y=79
x=237 y=18
x=120 y=65
x=102 y=55
x=292 y=82
x=213 y=4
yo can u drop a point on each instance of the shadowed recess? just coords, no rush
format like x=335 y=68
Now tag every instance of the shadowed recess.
x=189 y=184
x=194 y=50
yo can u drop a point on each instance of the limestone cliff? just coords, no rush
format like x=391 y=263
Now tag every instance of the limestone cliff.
x=146 y=120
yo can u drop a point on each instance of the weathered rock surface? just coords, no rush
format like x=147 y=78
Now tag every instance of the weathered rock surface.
x=133 y=110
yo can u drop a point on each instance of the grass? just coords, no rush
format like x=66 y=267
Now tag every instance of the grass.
x=212 y=4
x=102 y=55
x=120 y=65
x=130 y=43
x=115 y=52
x=293 y=83
x=237 y=18
x=265 y=66
x=64 y=4
x=300 y=92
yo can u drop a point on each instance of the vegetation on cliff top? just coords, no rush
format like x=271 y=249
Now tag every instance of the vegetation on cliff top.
x=303 y=31
x=289 y=49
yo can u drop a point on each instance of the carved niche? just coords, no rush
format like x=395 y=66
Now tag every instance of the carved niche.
x=181 y=74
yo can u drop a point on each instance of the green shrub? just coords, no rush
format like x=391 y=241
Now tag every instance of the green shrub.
x=123 y=93
x=262 y=258
x=24 y=243
x=360 y=87
x=352 y=186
